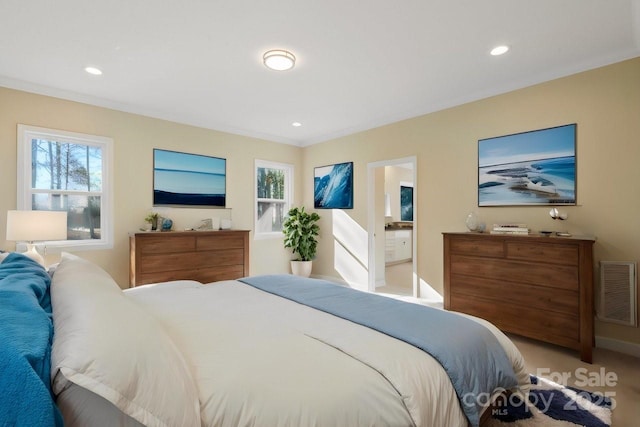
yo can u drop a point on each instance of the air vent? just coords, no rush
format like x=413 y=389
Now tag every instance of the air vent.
x=618 y=292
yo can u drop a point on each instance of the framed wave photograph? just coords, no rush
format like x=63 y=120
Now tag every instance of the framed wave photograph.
x=333 y=186
x=183 y=179
x=406 y=203
x=529 y=168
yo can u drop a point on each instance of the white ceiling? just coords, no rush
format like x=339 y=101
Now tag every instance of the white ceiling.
x=360 y=64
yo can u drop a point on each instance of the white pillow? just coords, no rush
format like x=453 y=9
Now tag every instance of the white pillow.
x=109 y=345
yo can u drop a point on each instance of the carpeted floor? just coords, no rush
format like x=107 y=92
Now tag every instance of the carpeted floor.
x=553 y=405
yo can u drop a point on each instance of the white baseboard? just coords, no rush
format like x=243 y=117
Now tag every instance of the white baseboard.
x=624 y=347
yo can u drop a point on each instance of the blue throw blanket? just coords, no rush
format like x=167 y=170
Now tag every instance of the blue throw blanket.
x=469 y=353
x=26 y=334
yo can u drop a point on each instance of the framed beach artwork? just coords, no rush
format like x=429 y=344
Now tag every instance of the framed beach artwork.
x=529 y=168
x=183 y=179
x=333 y=186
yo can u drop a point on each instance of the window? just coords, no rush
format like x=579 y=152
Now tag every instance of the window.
x=274 y=189
x=66 y=171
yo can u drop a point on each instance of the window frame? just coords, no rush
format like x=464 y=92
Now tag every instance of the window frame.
x=288 y=199
x=25 y=135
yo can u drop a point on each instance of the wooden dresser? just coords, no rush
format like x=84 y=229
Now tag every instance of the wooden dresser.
x=535 y=286
x=205 y=256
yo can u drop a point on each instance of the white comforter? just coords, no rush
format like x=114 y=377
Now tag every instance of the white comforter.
x=261 y=360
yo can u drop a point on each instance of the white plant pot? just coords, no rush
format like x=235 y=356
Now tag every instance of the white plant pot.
x=301 y=268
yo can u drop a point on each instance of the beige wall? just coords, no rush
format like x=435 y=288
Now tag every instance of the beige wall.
x=134 y=139
x=605 y=103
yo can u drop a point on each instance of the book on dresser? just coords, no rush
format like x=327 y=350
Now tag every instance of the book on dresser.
x=535 y=286
x=204 y=256
x=510 y=228
x=519 y=231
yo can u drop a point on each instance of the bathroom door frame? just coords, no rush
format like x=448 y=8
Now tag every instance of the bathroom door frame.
x=371 y=220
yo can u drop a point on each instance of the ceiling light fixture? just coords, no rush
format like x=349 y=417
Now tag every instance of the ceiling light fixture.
x=499 y=50
x=93 y=70
x=279 y=60
x=296 y=124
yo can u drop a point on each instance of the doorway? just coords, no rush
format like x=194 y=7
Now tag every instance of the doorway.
x=392 y=226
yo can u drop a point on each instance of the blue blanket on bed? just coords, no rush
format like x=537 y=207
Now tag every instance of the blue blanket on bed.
x=26 y=334
x=469 y=353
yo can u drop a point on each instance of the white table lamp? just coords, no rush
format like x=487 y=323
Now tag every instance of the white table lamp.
x=36 y=226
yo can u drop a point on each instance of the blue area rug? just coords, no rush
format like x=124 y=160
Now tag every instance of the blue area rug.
x=553 y=405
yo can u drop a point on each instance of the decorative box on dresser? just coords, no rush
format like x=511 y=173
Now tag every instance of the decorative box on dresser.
x=205 y=256
x=535 y=286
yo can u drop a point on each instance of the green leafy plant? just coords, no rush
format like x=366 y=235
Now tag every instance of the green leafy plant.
x=300 y=231
x=152 y=219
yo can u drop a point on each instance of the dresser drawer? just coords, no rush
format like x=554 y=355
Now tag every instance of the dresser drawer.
x=164 y=276
x=202 y=275
x=227 y=272
x=557 y=328
x=549 y=276
x=167 y=262
x=542 y=252
x=536 y=297
x=217 y=258
x=477 y=247
x=221 y=241
x=166 y=243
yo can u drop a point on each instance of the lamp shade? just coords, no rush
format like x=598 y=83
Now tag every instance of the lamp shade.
x=31 y=226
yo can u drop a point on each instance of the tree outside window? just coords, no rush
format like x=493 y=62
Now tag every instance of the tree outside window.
x=273 y=193
x=68 y=177
x=64 y=171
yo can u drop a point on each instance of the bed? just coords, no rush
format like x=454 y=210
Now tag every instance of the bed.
x=262 y=351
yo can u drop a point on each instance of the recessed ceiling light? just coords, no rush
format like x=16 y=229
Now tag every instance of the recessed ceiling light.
x=296 y=124
x=93 y=70
x=499 y=50
x=279 y=60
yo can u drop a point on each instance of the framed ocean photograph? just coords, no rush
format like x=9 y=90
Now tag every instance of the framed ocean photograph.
x=183 y=179
x=333 y=186
x=529 y=168
x=406 y=203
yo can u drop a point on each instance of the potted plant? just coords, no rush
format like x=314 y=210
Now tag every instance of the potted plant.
x=152 y=219
x=300 y=231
